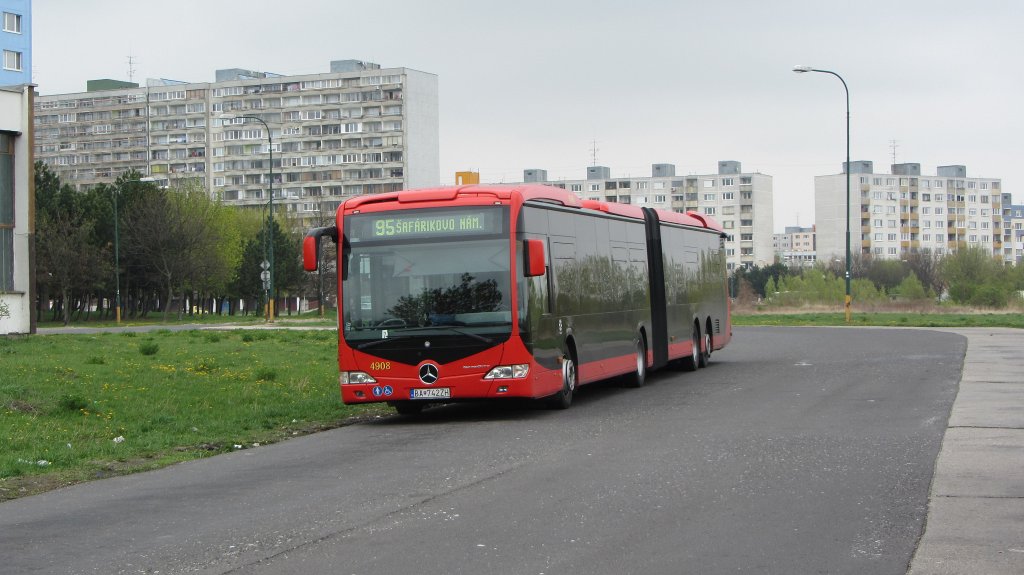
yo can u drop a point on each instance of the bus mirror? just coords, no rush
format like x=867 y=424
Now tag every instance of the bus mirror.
x=311 y=246
x=533 y=258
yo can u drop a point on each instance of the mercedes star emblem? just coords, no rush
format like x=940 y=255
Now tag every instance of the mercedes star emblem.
x=428 y=373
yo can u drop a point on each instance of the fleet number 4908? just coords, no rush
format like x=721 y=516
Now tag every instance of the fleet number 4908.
x=380 y=365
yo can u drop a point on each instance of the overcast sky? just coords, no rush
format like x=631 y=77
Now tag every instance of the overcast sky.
x=533 y=84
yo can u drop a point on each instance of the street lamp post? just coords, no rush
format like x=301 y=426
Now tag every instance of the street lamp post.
x=270 y=215
x=117 y=264
x=804 y=69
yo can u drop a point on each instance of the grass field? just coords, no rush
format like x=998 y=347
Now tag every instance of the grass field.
x=78 y=407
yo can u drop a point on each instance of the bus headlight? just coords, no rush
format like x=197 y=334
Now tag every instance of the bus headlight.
x=356 y=377
x=517 y=371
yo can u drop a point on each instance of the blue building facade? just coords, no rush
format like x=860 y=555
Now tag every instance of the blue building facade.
x=16 y=42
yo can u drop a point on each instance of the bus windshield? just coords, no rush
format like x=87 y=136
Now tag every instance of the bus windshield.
x=428 y=285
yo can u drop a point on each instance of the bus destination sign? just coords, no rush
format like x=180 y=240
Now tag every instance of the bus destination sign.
x=422 y=223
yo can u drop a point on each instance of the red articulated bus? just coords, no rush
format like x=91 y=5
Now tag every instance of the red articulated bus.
x=472 y=292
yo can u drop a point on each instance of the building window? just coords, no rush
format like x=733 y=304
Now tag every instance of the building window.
x=12 y=60
x=12 y=22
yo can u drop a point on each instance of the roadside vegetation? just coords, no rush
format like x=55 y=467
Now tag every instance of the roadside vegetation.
x=80 y=407
x=169 y=253
x=967 y=288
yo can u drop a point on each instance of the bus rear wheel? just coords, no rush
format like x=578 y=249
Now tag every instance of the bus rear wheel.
x=693 y=362
x=705 y=354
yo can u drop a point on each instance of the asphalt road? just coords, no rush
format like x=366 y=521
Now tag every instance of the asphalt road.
x=799 y=450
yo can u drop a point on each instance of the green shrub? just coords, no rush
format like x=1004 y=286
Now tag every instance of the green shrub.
x=72 y=402
x=265 y=374
x=149 y=348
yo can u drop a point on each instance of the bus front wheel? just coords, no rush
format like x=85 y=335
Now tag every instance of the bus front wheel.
x=563 y=399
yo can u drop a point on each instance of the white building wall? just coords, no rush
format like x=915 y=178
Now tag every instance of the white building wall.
x=830 y=217
x=422 y=149
x=16 y=117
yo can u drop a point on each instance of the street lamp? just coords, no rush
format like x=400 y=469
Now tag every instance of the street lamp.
x=117 y=263
x=801 y=70
x=270 y=216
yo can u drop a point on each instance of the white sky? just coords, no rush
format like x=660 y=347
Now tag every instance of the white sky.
x=532 y=84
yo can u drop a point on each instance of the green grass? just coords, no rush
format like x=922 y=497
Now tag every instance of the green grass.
x=77 y=407
x=896 y=319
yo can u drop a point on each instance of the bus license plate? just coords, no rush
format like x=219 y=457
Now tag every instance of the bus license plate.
x=431 y=393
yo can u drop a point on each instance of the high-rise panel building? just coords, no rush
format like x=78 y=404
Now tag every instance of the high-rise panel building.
x=358 y=129
x=741 y=201
x=903 y=212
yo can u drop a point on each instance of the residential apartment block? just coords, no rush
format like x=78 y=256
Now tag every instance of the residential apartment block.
x=796 y=246
x=358 y=129
x=741 y=201
x=903 y=212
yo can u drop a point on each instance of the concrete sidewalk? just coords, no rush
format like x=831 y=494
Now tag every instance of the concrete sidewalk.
x=975 y=520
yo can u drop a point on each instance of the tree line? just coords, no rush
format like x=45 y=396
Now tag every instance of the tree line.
x=970 y=276
x=176 y=250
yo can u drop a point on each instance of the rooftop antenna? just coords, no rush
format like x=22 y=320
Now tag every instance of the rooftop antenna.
x=131 y=68
x=893 y=145
x=593 y=152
